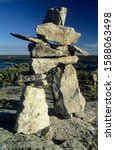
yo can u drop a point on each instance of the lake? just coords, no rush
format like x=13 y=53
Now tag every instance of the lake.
x=4 y=64
x=8 y=61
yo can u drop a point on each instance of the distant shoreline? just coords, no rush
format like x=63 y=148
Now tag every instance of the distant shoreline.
x=11 y=60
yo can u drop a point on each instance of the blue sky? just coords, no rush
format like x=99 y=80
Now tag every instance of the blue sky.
x=22 y=16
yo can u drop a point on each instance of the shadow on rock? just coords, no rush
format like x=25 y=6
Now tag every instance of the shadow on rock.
x=7 y=120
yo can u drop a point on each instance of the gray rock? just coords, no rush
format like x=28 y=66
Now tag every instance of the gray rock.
x=74 y=48
x=30 y=39
x=33 y=116
x=42 y=65
x=72 y=133
x=20 y=141
x=59 y=34
x=40 y=50
x=68 y=98
x=95 y=77
x=56 y=16
x=4 y=135
x=74 y=145
x=35 y=79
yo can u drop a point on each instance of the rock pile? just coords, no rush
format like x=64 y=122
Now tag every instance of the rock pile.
x=52 y=48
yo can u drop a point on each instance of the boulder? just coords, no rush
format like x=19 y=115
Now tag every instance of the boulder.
x=5 y=135
x=59 y=34
x=42 y=65
x=95 y=77
x=39 y=50
x=25 y=142
x=56 y=16
x=68 y=99
x=33 y=115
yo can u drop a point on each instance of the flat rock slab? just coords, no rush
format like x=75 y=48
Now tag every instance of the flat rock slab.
x=59 y=34
x=39 y=50
x=42 y=65
x=27 y=38
x=74 y=48
x=68 y=98
x=56 y=16
x=33 y=116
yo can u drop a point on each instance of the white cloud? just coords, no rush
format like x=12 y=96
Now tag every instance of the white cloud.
x=93 y=46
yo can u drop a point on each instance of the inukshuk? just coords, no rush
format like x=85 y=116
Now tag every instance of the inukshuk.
x=53 y=47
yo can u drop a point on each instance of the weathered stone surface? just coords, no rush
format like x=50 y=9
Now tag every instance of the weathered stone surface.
x=34 y=113
x=95 y=77
x=59 y=34
x=42 y=65
x=74 y=48
x=39 y=50
x=56 y=16
x=74 y=134
x=35 y=79
x=30 y=39
x=68 y=98
x=4 y=135
x=29 y=78
x=21 y=141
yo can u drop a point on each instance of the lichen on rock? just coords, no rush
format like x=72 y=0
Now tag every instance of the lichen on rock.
x=34 y=113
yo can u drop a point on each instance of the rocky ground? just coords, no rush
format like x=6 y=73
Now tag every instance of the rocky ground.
x=75 y=133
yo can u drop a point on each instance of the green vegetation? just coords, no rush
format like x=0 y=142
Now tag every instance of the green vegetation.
x=93 y=93
x=9 y=76
x=87 y=85
x=85 y=76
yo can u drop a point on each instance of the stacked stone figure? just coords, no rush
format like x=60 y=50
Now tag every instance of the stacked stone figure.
x=54 y=47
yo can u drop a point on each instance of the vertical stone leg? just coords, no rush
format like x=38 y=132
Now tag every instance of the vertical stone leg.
x=33 y=116
x=68 y=98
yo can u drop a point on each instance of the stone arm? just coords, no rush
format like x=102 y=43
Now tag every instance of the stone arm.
x=26 y=38
x=77 y=49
